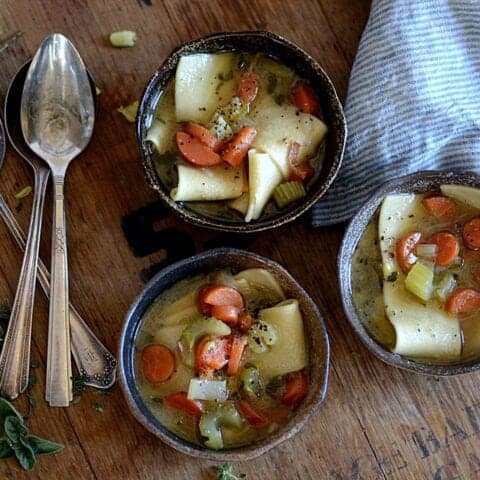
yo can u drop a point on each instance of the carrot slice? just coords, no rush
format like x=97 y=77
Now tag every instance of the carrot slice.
x=405 y=248
x=278 y=414
x=237 y=148
x=302 y=173
x=471 y=234
x=448 y=247
x=304 y=98
x=225 y=313
x=211 y=353
x=196 y=152
x=442 y=208
x=296 y=389
x=158 y=363
x=463 y=300
x=221 y=295
x=244 y=322
x=180 y=401
x=253 y=416
x=248 y=87
x=237 y=347
x=201 y=133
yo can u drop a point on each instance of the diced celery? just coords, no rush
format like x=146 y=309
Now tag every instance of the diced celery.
x=419 y=281
x=124 y=38
x=287 y=193
x=212 y=420
x=251 y=381
x=445 y=286
x=260 y=336
x=129 y=111
x=214 y=390
x=427 y=250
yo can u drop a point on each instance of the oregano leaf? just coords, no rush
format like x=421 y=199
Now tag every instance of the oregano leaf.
x=41 y=446
x=14 y=428
x=7 y=409
x=25 y=455
x=5 y=448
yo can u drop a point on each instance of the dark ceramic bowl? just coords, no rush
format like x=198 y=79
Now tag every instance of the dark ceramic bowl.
x=284 y=51
x=419 y=182
x=235 y=260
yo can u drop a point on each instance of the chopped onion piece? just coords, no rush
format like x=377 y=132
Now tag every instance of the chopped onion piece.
x=214 y=390
x=426 y=250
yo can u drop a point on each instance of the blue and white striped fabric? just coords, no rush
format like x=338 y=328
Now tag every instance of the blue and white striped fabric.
x=413 y=100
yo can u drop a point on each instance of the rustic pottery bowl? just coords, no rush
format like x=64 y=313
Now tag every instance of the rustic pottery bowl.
x=286 y=52
x=419 y=182
x=235 y=260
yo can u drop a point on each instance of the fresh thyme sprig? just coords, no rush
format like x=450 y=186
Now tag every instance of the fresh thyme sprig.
x=225 y=472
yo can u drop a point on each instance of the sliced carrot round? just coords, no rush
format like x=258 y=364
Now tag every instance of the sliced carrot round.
x=225 y=313
x=441 y=207
x=448 y=248
x=304 y=98
x=237 y=347
x=196 y=152
x=158 y=363
x=221 y=295
x=180 y=401
x=237 y=148
x=296 y=389
x=201 y=133
x=253 y=416
x=463 y=300
x=471 y=234
x=405 y=248
x=211 y=353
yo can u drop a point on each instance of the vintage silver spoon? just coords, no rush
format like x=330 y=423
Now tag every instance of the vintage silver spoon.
x=92 y=358
x=57 y=116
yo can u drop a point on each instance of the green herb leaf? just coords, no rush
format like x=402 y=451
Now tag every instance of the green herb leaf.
x=32 y=379
x=7 y=409
x=6 y=450
x=78 y=383
x=34 y=363
x=76 y=399
x=41 y=446
x=225 y=472
x=14 y=428
x=32 y=401
x=96 y=406
x=167 y=158
x=129 y=111
x=25 y=455
x=392 y=277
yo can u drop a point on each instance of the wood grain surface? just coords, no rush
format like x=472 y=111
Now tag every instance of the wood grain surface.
x=377 y=423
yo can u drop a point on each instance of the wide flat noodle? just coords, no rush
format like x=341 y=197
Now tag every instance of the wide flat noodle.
x=425 y=331
x=468 y=195
x=289 y=353
x=263 y=177
x=279 y=126
x=201 y=85
x=212 y=183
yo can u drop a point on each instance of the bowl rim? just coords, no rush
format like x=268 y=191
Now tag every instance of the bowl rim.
x=248 y=451
x=259 y=225
x=424 y=181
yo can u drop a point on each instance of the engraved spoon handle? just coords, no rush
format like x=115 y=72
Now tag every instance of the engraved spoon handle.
x=59 y=370
x=91 y=357
x=15 y=356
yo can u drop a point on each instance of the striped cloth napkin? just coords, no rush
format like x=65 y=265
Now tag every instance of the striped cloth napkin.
x=413 y=100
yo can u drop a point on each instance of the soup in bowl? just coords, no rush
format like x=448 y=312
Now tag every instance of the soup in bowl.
x=227 y=359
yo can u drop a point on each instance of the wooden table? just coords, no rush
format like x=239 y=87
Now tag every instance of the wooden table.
x=377 y=423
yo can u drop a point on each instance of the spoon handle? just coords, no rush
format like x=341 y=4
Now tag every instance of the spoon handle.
x=91 y=357
x=59 y=370
x=15 y=356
